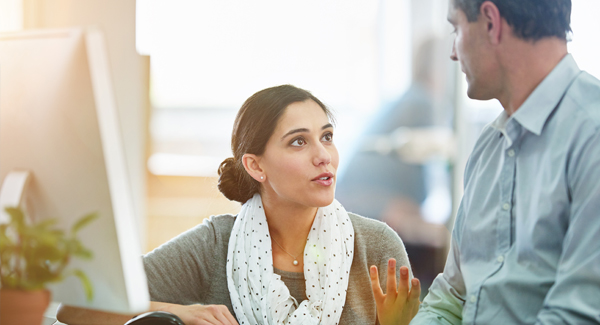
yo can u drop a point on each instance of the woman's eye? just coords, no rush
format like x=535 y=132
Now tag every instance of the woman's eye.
x=298 y=142
x=328 y=137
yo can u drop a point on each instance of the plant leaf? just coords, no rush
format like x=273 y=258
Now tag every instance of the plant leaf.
x=38 y=275
x=87 y=284
x=17 y=219
x=44 y=224
x=77 y=249
x=4 y=239
x=84 y=221
x=33 y=255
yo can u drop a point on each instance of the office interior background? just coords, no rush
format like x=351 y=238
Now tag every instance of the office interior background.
x=182 y=68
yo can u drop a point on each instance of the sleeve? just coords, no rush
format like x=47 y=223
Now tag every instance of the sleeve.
x=575 y=295
x=444 y=302
x=180 y=270
x=446 y=297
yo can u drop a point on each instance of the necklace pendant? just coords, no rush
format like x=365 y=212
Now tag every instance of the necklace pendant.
x=295 y=262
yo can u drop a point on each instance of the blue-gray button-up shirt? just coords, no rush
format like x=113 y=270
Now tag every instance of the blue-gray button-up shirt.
x=526 y=242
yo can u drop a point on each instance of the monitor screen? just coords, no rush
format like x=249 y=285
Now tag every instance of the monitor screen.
x=58 y=122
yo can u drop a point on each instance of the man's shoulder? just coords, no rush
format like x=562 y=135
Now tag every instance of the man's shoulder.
x=584 y=94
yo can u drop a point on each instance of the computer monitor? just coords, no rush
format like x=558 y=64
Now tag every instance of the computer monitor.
x=59 y=124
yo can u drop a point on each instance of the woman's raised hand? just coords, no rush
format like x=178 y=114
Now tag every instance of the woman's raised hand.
x=203 y=314
x=400 y=303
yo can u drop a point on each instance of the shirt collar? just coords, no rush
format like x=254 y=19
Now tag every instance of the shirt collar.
x=536 y=109
x=500 y=124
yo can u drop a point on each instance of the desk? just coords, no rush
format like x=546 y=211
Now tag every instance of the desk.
x=50 y=315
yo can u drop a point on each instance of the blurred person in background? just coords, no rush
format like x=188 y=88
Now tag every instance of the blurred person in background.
x=399 y=173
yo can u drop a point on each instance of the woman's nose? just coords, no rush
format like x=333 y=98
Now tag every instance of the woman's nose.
x=322 y=155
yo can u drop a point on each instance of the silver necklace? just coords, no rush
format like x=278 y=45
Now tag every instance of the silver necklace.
x=295 y=262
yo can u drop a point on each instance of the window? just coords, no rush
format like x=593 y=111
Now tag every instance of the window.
x=207 y=57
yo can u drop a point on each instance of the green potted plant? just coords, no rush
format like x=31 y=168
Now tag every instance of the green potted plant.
x=32 y=256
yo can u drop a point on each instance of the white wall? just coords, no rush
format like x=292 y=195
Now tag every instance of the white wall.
x=11 y=15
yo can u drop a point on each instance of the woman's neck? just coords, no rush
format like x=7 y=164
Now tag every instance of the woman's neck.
x=289 y=225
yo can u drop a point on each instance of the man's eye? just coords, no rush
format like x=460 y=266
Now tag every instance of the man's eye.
x=298 y=142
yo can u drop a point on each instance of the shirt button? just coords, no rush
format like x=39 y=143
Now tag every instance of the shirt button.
x=506 y=206
x=511 y=153
x=473 y=298
x=500 y=258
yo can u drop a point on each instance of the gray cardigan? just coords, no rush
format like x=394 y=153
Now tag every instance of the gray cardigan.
x=190 y=268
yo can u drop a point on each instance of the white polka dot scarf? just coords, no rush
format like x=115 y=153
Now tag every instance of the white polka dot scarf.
x=259 y=296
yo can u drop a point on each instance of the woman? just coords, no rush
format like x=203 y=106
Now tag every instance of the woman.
x=293 y=255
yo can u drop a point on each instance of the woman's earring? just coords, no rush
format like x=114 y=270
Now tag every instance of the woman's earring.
x=262 y=177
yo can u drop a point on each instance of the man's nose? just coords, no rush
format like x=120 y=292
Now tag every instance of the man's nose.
x=453 y=56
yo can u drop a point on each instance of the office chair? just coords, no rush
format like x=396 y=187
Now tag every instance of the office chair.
x=156 y=318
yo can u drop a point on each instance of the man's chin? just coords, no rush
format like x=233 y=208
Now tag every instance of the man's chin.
x=477 y=94
x=472 y=95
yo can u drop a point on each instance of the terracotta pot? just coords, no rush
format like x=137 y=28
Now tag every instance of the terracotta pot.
x=20 y=307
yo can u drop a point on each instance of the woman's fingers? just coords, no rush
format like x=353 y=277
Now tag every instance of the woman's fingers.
x=222 y=319
x=205 y=322
x=225 y=317
x=229 y=319
x=205 y=315
x=377 y=292
x=415 y=291
x=221 y=314
x=400 y=303
x=391 y=279
x=403 y=287
x=414 y=297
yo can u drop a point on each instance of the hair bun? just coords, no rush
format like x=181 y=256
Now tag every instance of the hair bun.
x=234 y=182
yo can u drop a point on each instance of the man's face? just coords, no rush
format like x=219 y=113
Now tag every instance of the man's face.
x=471 y=48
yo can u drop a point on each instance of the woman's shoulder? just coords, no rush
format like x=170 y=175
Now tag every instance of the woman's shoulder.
x=214 y=230
x=368 y=226
x=221 y=222
x=377 y=241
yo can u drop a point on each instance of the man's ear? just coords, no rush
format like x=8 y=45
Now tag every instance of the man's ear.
x=251 y=163
x=493 y=21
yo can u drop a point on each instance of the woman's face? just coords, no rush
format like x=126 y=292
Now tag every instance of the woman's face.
x=300 y=160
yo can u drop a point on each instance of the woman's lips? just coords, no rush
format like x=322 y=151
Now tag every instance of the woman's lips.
x=325 y=179
x=326 y=182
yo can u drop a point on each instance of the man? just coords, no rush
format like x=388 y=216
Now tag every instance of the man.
x=526 y=243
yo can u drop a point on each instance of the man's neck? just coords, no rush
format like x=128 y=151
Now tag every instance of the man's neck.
x=526 y=65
